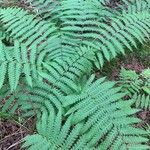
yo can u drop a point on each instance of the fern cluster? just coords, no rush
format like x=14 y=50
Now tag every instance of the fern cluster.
x=137 y=86
x=47 y=57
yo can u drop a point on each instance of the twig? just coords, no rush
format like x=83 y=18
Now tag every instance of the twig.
x=18 y=142
x=6 y=137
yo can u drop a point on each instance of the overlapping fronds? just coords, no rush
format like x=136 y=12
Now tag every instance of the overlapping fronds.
x=94 y=28
x=30 y=100
x=137 y=86
x=64 y=73
x=14 y=61
x=44 y=8
x=18 y=60
x=25 y=27
x=142 y=101
x=53 y=134
x=58 y=78
x=134 y=6
x=94 y=105
x=46 y=57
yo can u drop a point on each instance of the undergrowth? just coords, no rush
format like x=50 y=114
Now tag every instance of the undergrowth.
x=48 y=56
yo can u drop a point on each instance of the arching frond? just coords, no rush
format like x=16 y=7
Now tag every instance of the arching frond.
x=52 y=134
x=31 y=100
x=26 y=28
x=94 y=105
x=109 y=37
x=18 y=60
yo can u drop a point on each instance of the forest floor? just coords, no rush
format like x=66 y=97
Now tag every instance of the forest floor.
x=12 y=131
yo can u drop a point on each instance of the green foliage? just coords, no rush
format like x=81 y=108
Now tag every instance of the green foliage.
x=137 y=86
x=143 y=55
x=94 y=105
x=53 y=135
x=91 y=122
x=47 y=55
x=93 y=28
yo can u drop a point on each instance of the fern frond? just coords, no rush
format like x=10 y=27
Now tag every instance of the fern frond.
x=61 y=78
x=30 y=100
x=134 y=6
x=130 y=81
x=142 y=101
x=137 y=86
x=19 y=60
x=14 y=62
x=89 y=26
x=44 y=8
x=63 y=73
x=24 y=27
x=46 y=56
x=66 y=136
x=94 y=106
x=109 y=38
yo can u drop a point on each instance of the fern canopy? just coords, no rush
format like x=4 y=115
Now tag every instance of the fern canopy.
x=47 y=57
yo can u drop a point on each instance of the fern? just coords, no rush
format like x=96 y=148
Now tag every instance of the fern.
x=46 y=57
x=19 y=23
x=142 y=101
x=110 y=41
x=53 y=135
x=31 y=101
x=43 y=8
x=137 y=86
x=84 y=29
x=89 y=132
x=14 y=61
x=94 y=25
x=94 y=105
x=135 y=6
x=61 y=78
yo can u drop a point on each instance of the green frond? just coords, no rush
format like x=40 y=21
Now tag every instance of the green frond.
x=130 y=81
x=48 y=138
x=44 y=8
x=89 y=26
x=94 y=106
x=63 y=74
x=31 y=100
x=108 y=39
x=14 y=62
x=61 y=77
x=137 y=86
x=134 y=6
x=19 y=60
x=26 y=28
x=142 y=101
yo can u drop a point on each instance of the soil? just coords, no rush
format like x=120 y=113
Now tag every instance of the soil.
x=12 y=133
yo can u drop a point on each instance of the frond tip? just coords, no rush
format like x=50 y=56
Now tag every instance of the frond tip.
x=52 y=134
